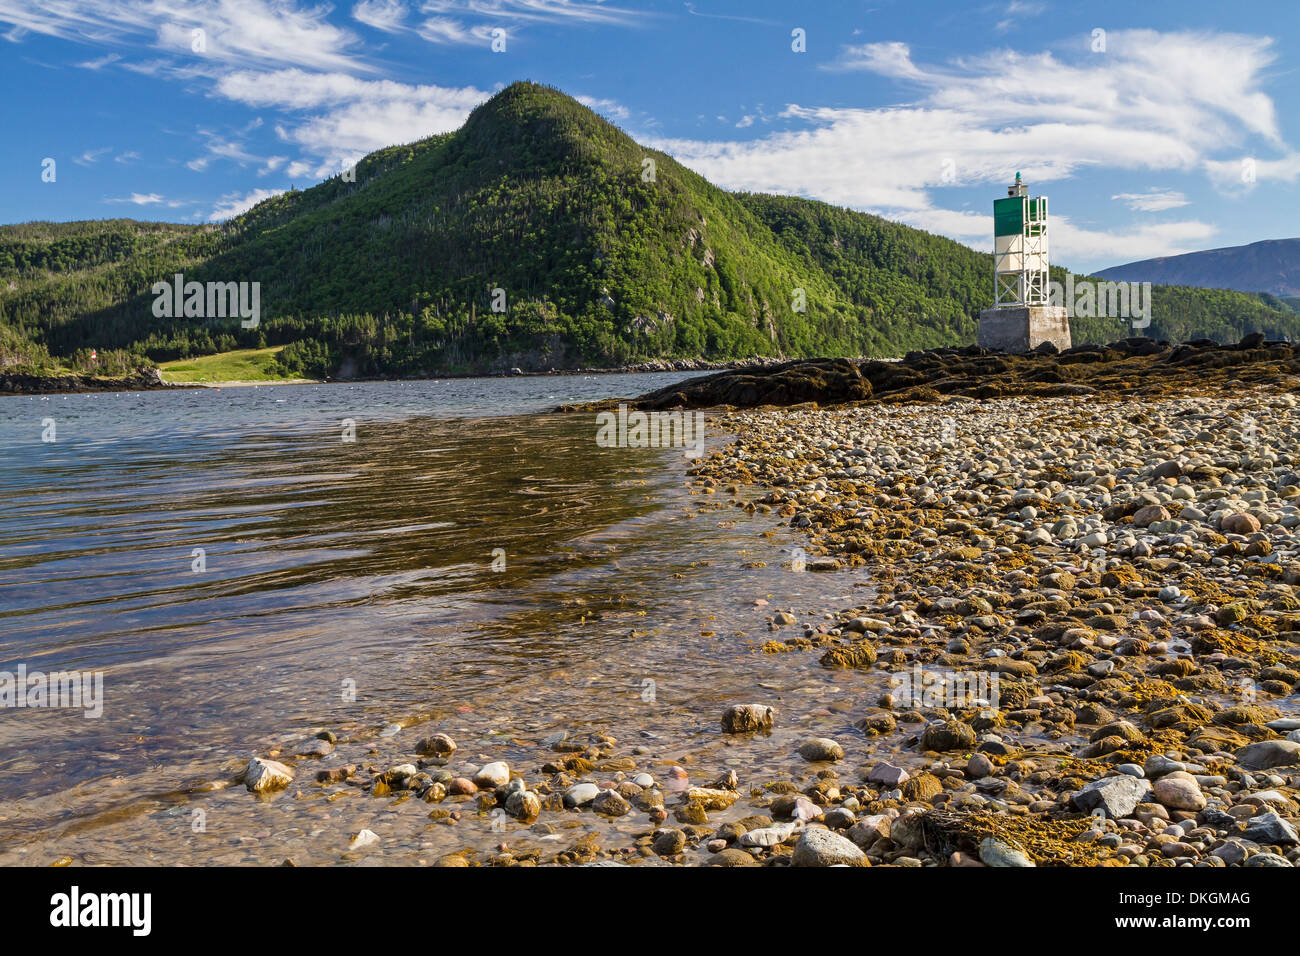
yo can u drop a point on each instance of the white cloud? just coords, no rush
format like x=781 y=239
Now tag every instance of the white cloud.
x=139 y=199
x=386 y=15
x=246 y=32
x=217 y=147
x=1017 y=12
x=446 y=30
x=535 y=11
x=1245 y=173
x=148 y=199
x=608 y=107
x=1145 y=241
x=103 y=61
x=91 y=156
x=1153 y=200
x=1163 y=102
x=473 y=21
x=356 y=116
x=233 y=204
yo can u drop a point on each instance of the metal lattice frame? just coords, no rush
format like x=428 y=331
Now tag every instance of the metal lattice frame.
x=1028 y=284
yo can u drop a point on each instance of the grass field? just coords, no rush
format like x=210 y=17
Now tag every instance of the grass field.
x=242 y=365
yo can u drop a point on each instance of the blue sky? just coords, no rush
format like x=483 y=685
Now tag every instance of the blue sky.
x=1154 y=128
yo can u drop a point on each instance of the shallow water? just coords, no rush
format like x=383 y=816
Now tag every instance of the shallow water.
x=352 y=584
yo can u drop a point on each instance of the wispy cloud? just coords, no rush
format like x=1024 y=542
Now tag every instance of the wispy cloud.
x=217 y=147
x=386 y=15
x=91 y=156
x=1155 y=101
x=1153 y=200
x=234 y=204
x=347 y=117
x=149 y=199
x=690 y=8
x=1018 y=11
x=608 y=107
x=246 y=32
x=474 y=21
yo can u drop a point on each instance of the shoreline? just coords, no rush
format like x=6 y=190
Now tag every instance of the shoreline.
x=1124 y=590
x=1124 y=573
x=1127 y=595
x=1111 y=566
x=151 y=380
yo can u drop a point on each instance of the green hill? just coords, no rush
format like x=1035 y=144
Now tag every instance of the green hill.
x=603 y=252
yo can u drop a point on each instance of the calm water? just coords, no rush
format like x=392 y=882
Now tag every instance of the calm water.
x=329 y=565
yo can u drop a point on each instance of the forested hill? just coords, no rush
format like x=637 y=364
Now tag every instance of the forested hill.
x=540 y=236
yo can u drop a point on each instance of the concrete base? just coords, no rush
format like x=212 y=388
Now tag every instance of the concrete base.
x=1025 y=328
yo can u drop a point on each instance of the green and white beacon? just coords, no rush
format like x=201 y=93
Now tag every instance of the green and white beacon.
x=1021 y=318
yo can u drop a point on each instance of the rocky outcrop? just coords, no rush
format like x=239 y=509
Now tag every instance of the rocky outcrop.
x=1135 y=366
x=15 y=383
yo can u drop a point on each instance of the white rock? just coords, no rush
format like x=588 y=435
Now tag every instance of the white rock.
x=496 y=774
x=362 y=838
x=261 y=776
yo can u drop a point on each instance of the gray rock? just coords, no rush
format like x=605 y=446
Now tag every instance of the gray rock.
x=994 y=852
x=821 y=749
x=316 y=748
x=1269 y=753
x=1117 y=796
x=1268 y=859
x=1271 y=829
x=1232 y=853
x=820 y=847
x=839 y=819
x=887 y=775
x=1157 y=765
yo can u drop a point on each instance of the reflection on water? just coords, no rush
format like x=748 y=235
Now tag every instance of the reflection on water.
x=234 y=568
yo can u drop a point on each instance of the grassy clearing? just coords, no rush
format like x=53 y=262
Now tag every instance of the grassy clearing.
x=242 y=365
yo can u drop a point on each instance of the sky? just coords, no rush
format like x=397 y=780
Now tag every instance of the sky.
x=1154 y=128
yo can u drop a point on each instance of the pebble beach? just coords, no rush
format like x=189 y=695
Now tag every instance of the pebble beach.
x=1115 y=576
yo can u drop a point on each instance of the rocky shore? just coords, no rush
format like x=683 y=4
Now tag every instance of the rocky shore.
x=1135 y=366
x=12 y=383
x=1127 y=570
x=1082 y=612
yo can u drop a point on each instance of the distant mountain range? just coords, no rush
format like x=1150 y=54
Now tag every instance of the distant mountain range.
x=1271 y=266
x=536 y=236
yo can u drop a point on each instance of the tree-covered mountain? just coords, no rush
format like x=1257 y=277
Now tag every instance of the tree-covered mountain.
x=540 y=236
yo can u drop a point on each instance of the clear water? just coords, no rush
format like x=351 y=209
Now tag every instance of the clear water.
x=332 y=565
